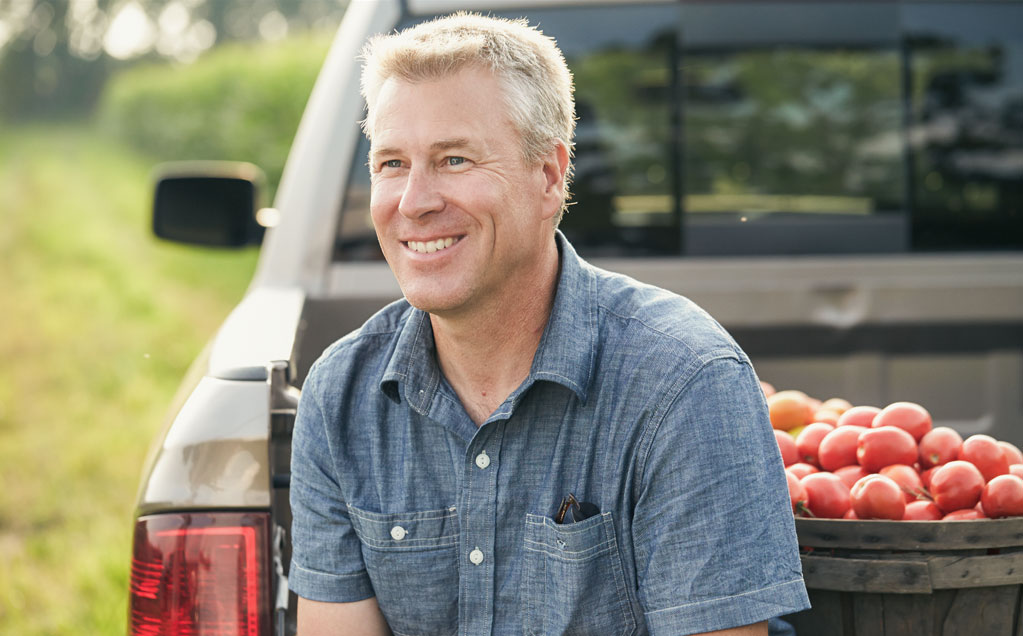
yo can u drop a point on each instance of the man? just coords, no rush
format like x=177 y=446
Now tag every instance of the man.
x=525 y=444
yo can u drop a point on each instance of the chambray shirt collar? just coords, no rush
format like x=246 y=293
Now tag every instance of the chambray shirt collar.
x=565 y=355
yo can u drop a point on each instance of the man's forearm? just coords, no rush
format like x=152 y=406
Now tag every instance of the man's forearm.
x=361 y=618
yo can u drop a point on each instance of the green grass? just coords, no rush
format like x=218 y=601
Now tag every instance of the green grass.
x=98 y=322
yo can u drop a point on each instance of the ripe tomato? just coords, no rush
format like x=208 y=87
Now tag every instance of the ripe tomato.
x=789 y=409
x=797 y=493
x=838 y=405
x=983 y=452
x=956 y=485
x=859 y=416
x=801 y=469
x=877 y=497
x=851 y=474
x=827 y=416
x=787 y=446
x=940 y=446
x=884 y=446
x=1012 y=453
x=809 y=441
x=1016 y=469
x=922 y=510
x=838 y=448
x=964 y=514
x=826 y=496
x=909 y=416
x=925 y=476
x=907 y=478
x=1003 y=497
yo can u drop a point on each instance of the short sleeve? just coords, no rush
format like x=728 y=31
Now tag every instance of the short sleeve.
x=326 y=562
x=715 y=540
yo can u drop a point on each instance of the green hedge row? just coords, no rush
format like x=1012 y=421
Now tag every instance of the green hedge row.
x=240 y=102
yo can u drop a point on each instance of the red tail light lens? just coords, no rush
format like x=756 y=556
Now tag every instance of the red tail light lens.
x=201 y=574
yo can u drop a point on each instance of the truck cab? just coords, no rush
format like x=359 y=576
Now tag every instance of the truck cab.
x=839 y=184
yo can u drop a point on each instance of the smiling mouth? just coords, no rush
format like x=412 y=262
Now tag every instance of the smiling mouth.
x=429 y=247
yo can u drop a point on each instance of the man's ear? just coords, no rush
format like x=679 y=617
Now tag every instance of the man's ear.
x=555 y=166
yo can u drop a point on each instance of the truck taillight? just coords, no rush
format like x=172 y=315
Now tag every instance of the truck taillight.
x=201 y=574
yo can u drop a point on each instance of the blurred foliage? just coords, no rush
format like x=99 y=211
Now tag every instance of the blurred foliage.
x=100 y=322
x=241 y=102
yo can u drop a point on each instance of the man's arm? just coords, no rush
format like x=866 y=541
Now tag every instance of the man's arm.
x=361 y=618
x=756 y=629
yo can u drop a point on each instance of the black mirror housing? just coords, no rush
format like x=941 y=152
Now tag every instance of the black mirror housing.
x=208 y=203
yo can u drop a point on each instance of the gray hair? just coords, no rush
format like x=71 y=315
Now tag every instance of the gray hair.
x=530 y=68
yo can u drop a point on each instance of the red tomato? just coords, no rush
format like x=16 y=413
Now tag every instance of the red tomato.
x=787 y=446
x=859 y=416
x=838 y=448
x=877 y=497
x=909 y=416
x=1003 y=497
x=956 y=485
x=801 y=469
x=884 y=446
x=925 y=476
x=983 y=452
x=838 y=405
x=965 y=514
x=797 y=493
x=826 y=495
x=809 y=440
x=922 y=510
x=907 y=478
x=851 y=474
x=940 y=446
x=1012 y=453
x=1016 y=469
x=826 y=416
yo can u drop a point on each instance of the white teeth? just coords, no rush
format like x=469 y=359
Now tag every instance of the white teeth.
x=430 y=247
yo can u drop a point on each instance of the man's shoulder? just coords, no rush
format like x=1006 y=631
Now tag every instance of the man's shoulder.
x=367 y=345
x=651 y=316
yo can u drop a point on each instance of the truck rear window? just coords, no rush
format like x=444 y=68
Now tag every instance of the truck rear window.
x=756 y=128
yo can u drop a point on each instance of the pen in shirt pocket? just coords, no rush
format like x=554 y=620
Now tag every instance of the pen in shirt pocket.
x=572 y=510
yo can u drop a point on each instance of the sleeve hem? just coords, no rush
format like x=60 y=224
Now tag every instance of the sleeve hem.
x=730 y=611
x=329 y=588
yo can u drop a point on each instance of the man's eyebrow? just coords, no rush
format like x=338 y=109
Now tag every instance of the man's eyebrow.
x=449 y=144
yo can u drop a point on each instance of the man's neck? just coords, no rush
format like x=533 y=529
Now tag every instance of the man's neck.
x=485 y=356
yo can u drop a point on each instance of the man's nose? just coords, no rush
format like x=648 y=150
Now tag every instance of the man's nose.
x=421 y=195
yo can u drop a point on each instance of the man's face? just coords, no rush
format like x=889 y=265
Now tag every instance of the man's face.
x=460 y=217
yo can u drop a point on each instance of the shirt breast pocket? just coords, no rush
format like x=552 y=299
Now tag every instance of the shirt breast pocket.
x=572 y=579
x=412 y=562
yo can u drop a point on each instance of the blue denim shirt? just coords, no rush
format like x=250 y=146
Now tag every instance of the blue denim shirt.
x=637 y=402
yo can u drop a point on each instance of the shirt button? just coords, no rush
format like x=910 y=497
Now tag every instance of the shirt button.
x=398 y=533
x=483 y=460
x=476 y=556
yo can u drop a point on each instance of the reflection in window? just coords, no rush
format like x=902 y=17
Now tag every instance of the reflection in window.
x=966 y=134
x=790 y=134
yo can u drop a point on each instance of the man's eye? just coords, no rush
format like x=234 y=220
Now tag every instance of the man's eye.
x=455 y=161
x=392 y=163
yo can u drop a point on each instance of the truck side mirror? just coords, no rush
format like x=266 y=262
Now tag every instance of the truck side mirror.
x=208 y=203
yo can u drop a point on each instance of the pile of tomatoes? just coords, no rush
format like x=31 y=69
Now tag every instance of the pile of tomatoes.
x=864 y=462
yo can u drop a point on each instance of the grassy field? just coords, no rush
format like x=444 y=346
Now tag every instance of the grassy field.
x=98 y=323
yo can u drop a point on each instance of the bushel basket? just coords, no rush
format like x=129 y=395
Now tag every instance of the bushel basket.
x=911 y=578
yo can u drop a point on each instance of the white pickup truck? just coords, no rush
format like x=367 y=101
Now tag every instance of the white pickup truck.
x=839 y=184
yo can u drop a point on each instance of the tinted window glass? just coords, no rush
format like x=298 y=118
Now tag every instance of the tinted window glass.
x=792 y=129
x=966 y=109
x=741 y=128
